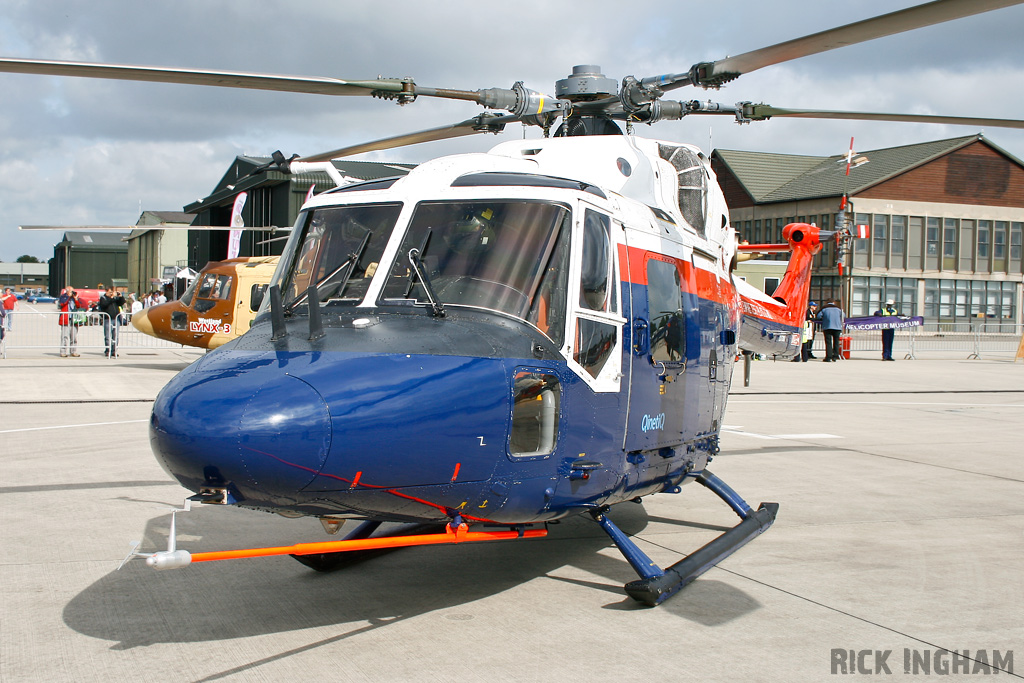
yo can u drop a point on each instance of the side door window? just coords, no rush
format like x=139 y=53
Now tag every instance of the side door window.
x=597 y=324
x=665 y=312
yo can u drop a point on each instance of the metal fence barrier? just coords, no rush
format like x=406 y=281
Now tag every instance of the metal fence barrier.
x=42 y=330
x=971 y=339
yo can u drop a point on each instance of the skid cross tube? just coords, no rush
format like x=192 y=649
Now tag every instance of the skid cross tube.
x=656 y=584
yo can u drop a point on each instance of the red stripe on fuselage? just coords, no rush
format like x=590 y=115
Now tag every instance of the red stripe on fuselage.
x=705 y=284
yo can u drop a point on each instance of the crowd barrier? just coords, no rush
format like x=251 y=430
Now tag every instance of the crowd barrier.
x=971 y=339
x=41 y=330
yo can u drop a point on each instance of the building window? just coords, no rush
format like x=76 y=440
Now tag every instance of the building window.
x=999 y=247
x=899 y=239
x=932 y=245
x=825 y=287
x=966 y=246
x=1015 y=246
x=984 y=231
x=879 y=237
x=948 y=301
x=915 y=238
x=860 y=247
x=949 y=226
x=870 y=293
x=780 y=223
x=757 y=232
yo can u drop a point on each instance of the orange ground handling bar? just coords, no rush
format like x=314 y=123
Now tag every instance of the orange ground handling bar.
x=460 y=534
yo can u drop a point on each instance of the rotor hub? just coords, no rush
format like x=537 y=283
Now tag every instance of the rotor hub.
x=585 y=83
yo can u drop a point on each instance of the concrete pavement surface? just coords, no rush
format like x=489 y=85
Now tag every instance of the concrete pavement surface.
x=899 y=539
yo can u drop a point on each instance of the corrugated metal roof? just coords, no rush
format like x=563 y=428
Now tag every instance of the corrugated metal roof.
x=106 y=241
x=158 y=217
x=229 y=185
x=817 y=177
x=760 y=175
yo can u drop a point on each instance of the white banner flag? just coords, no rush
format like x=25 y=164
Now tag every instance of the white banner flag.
x=235 y=240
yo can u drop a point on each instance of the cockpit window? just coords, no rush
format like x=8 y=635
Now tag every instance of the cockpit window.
x=339 y=251
x=212 y=288
x=190 y=291
x=507 y=256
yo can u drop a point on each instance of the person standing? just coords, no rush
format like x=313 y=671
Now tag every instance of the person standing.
x=136 y=306
x=810 y=327
x=831 y=318
x=10 y=301
x=889 y=309
x=110 y=305
x=68 y=304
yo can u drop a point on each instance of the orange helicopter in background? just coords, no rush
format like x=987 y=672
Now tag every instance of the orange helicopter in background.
x=218 y=306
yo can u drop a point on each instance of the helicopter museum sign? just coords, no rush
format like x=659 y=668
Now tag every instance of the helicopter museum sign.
x=882 y=322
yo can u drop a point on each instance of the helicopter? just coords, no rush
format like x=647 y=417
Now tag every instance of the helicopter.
x=498 y=341
x=207 y=314
x=216 y=307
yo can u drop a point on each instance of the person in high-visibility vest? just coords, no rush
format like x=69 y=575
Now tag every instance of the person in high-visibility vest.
x=887 y=335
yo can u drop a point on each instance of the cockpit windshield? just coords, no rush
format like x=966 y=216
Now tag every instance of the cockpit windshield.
x=339 y=251
x=509 y=256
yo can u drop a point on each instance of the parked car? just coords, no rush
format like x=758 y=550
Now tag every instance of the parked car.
x=41 y=299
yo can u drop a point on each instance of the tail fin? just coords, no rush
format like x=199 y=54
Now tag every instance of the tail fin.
x=773 y=325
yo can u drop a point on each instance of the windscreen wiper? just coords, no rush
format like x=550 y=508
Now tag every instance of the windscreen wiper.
x=421 y=274
x=350 y=262
x=424 y=243
x=354 y=260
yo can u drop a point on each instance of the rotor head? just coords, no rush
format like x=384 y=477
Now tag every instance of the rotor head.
x=586 y=83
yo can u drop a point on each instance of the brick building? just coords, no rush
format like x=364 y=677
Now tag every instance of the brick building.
x=945 y=217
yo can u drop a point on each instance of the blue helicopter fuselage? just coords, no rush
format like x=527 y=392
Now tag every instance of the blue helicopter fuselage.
x=490 y=339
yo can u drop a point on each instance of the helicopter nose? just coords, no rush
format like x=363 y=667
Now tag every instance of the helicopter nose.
x=142 y=323
x=268 y=437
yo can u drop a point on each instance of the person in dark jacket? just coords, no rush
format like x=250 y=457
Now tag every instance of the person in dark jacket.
x=110 y=304
x=831 y=318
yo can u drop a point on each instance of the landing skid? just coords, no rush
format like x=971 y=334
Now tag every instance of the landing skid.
x=655 y=585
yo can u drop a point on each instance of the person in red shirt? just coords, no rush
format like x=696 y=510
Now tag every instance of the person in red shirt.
x=68 y=303
x=10 y=301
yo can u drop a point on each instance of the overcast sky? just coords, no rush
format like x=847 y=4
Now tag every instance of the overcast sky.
x=83 y=151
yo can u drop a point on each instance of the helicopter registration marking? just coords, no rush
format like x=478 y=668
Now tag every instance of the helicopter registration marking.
x=208 y=326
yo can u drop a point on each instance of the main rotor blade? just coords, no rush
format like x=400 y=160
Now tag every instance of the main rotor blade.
x=759 y=112
x=724 y=70
x=157 y=226
x=224 y=79
x=485 y=123
x=518 y=99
